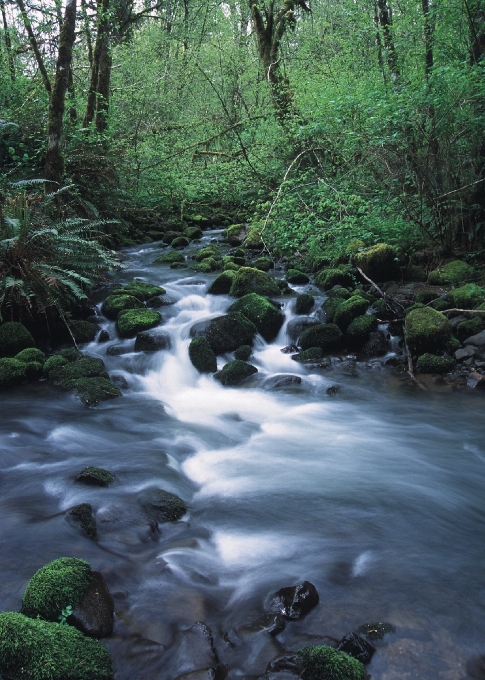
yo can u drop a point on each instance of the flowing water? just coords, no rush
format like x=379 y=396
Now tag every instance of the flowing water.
x=374 y=493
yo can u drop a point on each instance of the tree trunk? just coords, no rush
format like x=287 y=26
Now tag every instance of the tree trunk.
x=54 y=161
x=34 y=45
x=385 y=22
x=98 y=96
x=428 y=37
x=8 y=42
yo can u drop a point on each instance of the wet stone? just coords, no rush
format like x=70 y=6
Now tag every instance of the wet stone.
x=280 y=382
x=376 y=630
x=273 y=624
x=162 y=506
x=117 y=350
x=150 y=341
x=93 y=615
x=353 y=645
x=94 y=476
x=82 y=515
x=289 y=349
x=103 y=336
x=294 y=602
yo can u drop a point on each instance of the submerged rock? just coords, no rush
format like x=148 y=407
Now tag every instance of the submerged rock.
x=235 y=372
x=353 y=645
x=94 y=476
x=294 y=602
x=281 y=382
x=149 y=341
x=192 y=655
x=376 y=630
x=161 y=505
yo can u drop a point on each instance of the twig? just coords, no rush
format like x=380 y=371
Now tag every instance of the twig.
x=465 y=311
x=438 y=198
x=410 y=361
x=370 y=281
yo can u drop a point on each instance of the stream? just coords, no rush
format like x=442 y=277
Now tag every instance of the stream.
x=374 y=492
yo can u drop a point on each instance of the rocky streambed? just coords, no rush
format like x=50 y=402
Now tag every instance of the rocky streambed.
x=232 y=498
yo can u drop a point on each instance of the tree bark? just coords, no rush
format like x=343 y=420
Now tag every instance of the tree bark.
x=385 y=22
x=34 y=44
x=8 y=42
x=98 y=95
x=54 y=161
x=428 y=37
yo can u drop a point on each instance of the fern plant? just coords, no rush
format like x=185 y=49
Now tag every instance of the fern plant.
x=46 y=262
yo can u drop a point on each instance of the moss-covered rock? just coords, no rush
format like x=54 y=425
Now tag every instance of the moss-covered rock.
x=142 y=290
x=170 y=257
x=327 y=336
x=427 y=330
x=325 y=663
x=308 y=356
x=416 y=272
x=296 y=276
x=31 y=354
x=83 y=516
x=328 y=278
x=92 y=391
x=70 y=354
x=54 y=362
x=341 y=293
x=222 y=283
x=55 y=586
x=115 y=304
x=206 y=266
x=250 y=280
x=378 y=262
x=235 y=234
x=452 y=273
x=263 y=263
x=180 y=242
x=169 y=236
x=83 y=331
x=230 y=266
x=330 y=306
x=304 y=303
x=440 y=304
x=193 y=233
x=359 y=330
x=431 y=363
x=133 y=321
x=202 y=356
x=253 y=239
x=425 y=295
x=209 y=251
x=12 y=372
x=95 y=476
x=40 y=650
x=226 y=333
x=468 y=296
x=235 y=372
x=161 y=505
x=243 y=353
x=85 y=367
x=265 y=315
x=14 y=337
x=470 y=327
x=348 y=310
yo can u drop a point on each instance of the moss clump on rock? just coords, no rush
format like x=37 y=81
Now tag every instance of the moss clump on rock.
x=328 y=278
x=265 y=315
x=142 y=290
x=202 y=356
x=325 y=663
x=378 y=262
x=210 y=251
x=264 y=263
x=129 y=323
x=82 y=515
x=226 y=333
x=308 y=356
x=235 y=234
x=92 y=391
x=54 y=362
x=222 y=283
x=470 y=327
x=425 y=295
x=14 y=337
x=359 y=330
x=40 y=650
x=180 y=242
x=253 y=239
x=235 y=372
x=85 y=367
x=115 y=304
x=348 y=310
x=243 y=352
x=55 y=586
x=468 y=296
x=31 y=354
x=251 y=280
x=327 y=336
x=431 y=363
x=451 y=274
x=296 y=276
x=12 y=372
x=95 y=476
x=170 y=257
x=426 y=330
x=162 y=505
x=304 y=303
x=330 y=306
x=83 y=331
x=193 y=233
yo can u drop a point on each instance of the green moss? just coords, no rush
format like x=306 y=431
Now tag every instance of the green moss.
x=235 y=372
x=296 y=276
x=440 y=305
x=416 y=272
x=54 y=362
x=359 y=330
x=115 y=304
x=304 y=303
x=470 y=327
x=170 y=235
x=85 y=367
x=453 y=273
x=243 y=353
x=427 y=330
x=426 y=295
x=210 y=251
x=142 y=290
x=325 y=663
x=250 y=280
x=95 y=476
x=31 y=354
x=180 y=242
x=416 y=305
x=82 y=514
x=327 y=336
x=431 y=363
x=264 y=263
x=33 y=370
x=452 y=345
x=41 y=650
x=171 y=256
x=308 y=356
x=55 y=586
x=236 y=234
x=70 y=354
x=226 y=333
x=468 y=296
x=193 y=233
x=222 y=283
x=341 y=293
x=14 y=337
x=328 y=278
x=83 y=331
x=206 y=266
x=12 y=372
x=349 y=310
x=129 y=323
x=266 y=316
x=378 y=262
x=253 y=240
x=94 y=390
x=231 y=266
x=330 y=306
x=202 y=356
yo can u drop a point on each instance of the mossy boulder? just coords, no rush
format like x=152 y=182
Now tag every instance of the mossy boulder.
x=235 y=372
x=180 y=242
x=202 y=356
x=12 y=372
x=468 y=296
x=161 y=505
x=82 y=515
x=427 y=330
x=263 y=263
x=142 y=290
x=359 y=330
x=33 y=649
x=327 y=336
x=55 y=586
x=85 y=367
x=325 y=663
x=304 y=303
x=206 y=266
x=170 y=257
x=31 y=354
x=431 y=363
x=169 y=236
x=133 y=321
x=251 y=280
x=328 y=278
x=14 y=337
x=341 y=293
x=95 y=476
x=116 y=304
x=193 y=233
x=253 y=239
x=235 y=234
x=230 y=266
x=209 y=251
x=265 y=315
x=296 y=276
x=83 y=331
x=54 y=362
x=92 y=391
x=226 y=333
x=308 y=356
x=378 y=262
x=243 y=353
x=452 y=273
x=426 y=295
x=470 y=327
x=222 y=283
x=330 y=306
x=416 y=272
x=348 y=310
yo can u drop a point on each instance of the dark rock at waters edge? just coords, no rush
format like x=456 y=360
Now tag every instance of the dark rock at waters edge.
x=235 y=372
x=304 y=303
x=82 y=515
x=376 y=345
x=94 y=476
x=265 y=315
x=475 y=668
x=273 y=624
x=151 y=341
x=243 y=352
x=161 y=505
x=93 y=615
x=294 y=602
x=117 y=350
x=227 y=333
x=202 y=356
x=104 y=336
x=376 y=630
x=295 y=327
x=193 y=655
x=280 y=382
x=353 y=645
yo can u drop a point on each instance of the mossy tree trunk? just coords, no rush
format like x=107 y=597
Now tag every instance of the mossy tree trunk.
x=8 y=42
x=98 y=95
x=384 y=14
x=34 y=45
x=54 y=161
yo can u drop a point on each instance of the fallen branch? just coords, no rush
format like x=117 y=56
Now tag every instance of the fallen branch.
x=370 y=281
x=464 y=311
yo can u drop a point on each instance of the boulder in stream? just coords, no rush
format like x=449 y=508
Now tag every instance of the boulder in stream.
x=129 y=323
x=263 y=313
x=95 y=476
x=150 y=341
x=222 y=283
x=304 y=303
x=427 y=330
x=322 y=661
x=251 y=280
x=93 y=615
x=294 y=602
x=235 y=372
x=353 y=645
x=202 y=356
x=14 y=337
x=193 y=656
x=161 y=505
x=326 y=336
x=82 y=515
x=116 y=304
x=227 y=333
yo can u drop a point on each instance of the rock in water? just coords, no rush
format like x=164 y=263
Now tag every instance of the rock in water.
x=93 y=615
x=294 y=602
x=355 y=646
